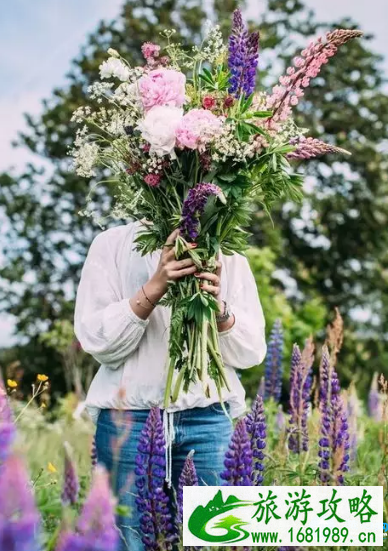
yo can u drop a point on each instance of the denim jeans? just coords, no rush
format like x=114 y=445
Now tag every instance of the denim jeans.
x=207 y=431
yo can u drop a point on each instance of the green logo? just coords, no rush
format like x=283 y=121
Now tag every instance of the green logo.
x=233 y=526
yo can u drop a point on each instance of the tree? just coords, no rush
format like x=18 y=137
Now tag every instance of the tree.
x=333 y=247
x=336 y=242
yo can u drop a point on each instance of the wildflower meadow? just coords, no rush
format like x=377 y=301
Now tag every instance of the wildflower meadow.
x=55 y=495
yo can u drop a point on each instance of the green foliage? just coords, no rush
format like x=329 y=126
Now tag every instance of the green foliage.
x=299 y=320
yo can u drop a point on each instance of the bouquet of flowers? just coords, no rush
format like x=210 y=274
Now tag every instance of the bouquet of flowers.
x=197 y=153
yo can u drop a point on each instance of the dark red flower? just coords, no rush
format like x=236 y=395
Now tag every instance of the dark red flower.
x=208 y=102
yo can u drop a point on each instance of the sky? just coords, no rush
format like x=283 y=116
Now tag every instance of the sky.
x=39 y=38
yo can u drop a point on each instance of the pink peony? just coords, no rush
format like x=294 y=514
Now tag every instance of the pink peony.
x=150 y=50
x=162 y=87
x=197 y=128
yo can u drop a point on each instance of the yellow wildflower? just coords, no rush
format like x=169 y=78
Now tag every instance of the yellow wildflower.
x=11 y=383
x=42 y=378
x=51 y=468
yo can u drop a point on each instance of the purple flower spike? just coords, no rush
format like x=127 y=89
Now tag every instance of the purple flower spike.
x=19 y=518
x=300 y=397
x=273 y=363
x=257 y=430
x=96 y=529
x=334 y=441
x=7 y=425
x=238 y=458
x=193 y=207
x=70 y=483
x=188 y=477
x=152 y=502
x=243 y=57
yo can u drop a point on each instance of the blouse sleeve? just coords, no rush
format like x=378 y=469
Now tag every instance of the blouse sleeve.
x=243 y=345
x=105 y=323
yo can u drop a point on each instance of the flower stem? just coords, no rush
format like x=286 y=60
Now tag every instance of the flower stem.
x=167 y=392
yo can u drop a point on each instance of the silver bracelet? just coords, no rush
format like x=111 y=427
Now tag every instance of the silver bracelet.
x=222 y=318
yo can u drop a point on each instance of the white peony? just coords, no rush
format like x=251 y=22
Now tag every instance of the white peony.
x=114 y=67
x=158 y=128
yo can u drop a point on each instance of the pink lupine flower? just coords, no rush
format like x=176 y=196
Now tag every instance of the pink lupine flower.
x=197 y=128
x=306 y=66
x=150 y=50
x=307 y=148
x=162 y=87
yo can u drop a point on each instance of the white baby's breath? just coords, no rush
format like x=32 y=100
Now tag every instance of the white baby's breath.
x=85 y=155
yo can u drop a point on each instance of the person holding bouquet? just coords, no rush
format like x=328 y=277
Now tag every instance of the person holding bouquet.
x=191 y=146
x=119 y=321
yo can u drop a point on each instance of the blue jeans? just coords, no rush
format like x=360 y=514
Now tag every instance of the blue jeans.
x=207 y=431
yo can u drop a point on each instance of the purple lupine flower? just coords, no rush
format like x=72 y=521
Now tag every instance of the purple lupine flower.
x=152 y=502
x=273 y=363
x=300 y=397
x=95 y=530
x=7 y=425
x=243 y=57
x=307 y=148
x=334 y=441
x=19 y=518
x=238 y=458
x=188 y=477
x=257 y=430
x=374 y=404
x=252 y=60
x=193 y=207
x=70 y=488
x=340 y=441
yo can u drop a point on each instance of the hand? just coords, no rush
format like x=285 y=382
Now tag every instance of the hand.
x=170 y=269
x=212 y=283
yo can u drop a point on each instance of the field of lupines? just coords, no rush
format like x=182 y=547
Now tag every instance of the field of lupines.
x=55 y=497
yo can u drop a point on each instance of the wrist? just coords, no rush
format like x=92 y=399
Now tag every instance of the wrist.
x=155 y=288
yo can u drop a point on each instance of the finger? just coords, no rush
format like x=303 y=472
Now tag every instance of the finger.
x=208 y=276
x=182 y=273
x=172 y=237
x=180 y=264
x=218 y=267
x=212 y=289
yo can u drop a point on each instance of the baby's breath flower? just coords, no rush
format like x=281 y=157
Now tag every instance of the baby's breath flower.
x=85 y=155
x=100 y=89
x=81 y=113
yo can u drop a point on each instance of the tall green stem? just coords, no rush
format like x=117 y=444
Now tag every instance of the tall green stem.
x=170 y=374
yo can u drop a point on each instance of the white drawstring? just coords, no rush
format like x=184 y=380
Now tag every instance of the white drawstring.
x=169 y=436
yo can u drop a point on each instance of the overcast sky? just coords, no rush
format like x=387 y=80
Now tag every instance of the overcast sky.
x=39 y=38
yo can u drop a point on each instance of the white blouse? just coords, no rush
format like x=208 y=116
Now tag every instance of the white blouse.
x=133 y=352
